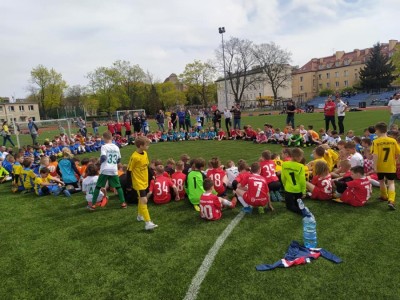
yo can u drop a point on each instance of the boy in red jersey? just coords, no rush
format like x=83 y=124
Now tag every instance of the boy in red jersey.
x=210 y=204
x=268 y=172
x=178 y=178
x=111 y=128
x=218 y=176
x=118 y=128
x=256 y=193
x=161 y=186
x=320 y=188
x=128 y=131
x=358 y=190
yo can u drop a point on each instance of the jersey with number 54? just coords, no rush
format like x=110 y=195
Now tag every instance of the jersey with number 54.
x=113 y=155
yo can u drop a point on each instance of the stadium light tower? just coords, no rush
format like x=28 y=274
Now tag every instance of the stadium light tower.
x=221 y=30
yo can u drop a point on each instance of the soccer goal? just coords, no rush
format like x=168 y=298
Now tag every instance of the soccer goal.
x=47 y=130
x=121 y=113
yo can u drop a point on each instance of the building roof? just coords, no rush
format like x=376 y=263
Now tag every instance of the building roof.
x=342 y=59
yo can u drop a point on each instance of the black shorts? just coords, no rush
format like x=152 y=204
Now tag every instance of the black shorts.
x=142 y=193
x=388 y=176
x=128 y=132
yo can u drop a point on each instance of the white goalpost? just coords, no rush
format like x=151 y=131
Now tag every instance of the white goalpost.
x=121 y=113
x=47 y=129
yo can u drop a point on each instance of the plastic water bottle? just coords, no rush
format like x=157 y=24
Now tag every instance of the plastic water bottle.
x=309 y=226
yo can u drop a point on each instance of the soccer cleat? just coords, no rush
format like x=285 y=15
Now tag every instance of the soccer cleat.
x=233 y=202
x=273 y=197
x=247 y=210
x=196 y=207
x=104 y=201
x=91 y=207
x=261 y=210
x=391 y=206
x=150 y=225
x=124 y=205
x=67 y=193
x=139 y=218
x=337 y=200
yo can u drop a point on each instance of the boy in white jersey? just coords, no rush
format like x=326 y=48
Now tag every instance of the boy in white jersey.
x=89 y=185
x=110 y=157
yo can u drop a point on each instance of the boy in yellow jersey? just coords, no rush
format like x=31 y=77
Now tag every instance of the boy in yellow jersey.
x=278 y=162
x=330 y=156
x=318 y=154
x=294 y=180
x=17 y=185
x=138 y=179
x=385 y=151
x=46 y=184
x=27 y=175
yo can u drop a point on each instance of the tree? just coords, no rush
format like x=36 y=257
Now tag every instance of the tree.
x=169 y=95
x=239 y=61
x=396 y=62
x=275 y=63
x=378 y=70
x=153 y=104
x=199 y=77
x=48 y=88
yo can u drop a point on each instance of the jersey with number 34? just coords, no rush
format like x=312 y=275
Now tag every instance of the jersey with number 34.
x=112 y=154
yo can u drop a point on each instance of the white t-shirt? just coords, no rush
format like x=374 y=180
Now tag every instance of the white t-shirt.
x=227 y=114
x=110 y=165
x=341 y=106
x=231 y=173
x=88 y=186
x=356 y=160
x=394 y=106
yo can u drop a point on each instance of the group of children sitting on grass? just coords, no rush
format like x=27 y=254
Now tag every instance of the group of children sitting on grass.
x=343 y=171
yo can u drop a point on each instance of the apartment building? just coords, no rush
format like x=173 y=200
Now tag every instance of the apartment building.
x=18 y=111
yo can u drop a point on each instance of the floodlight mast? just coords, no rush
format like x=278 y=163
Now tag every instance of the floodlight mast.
x=221 y=30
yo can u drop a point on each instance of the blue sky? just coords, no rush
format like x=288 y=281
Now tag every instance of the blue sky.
x=77 y=36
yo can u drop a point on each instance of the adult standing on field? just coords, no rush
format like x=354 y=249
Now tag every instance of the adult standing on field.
x=341 y=113
x=228 y=118
x=290 y=110
x=137 y=125
x=5 y=132
x=237 y=115
x=394 y=106
x=95 y=126
x=181 y=117
x=160 y=118
x=33 y=130
x=329 y=112
x=174 y=119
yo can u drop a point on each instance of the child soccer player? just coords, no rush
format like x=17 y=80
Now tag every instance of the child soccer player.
x=194 y=183
x=356 y=159
x=252 y=190
x=268 y=171
x=138 y=179
x=4 y=174
x=294 y=180
x=210 y=204
x=318 y=154
x=218 y=176
x=27 y=175
x=178 y=178
x=358 y=190
x=160 y=187
x=17 y=170
x=89 y=186
x=46 y=184
x=296 y=140
x=110 y=156
x=231 y=172
x=385 y=151
x=320 y=187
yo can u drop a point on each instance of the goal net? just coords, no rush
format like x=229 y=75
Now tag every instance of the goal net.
x=48 y=129
x=123 y=114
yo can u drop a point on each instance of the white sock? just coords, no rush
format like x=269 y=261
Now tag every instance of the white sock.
x=241 y=200
x=374 y=182
x=226 y=203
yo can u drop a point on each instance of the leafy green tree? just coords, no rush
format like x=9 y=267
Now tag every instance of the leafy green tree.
x=153 y=104
x=396 y=62
x=199 y=78
x=169 y=95
x=326 y=92
x=378 y=70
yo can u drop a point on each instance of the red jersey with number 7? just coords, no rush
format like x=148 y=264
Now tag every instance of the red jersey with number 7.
x=217 y=176
x=257 y=190
x=178 y=178
x=161 y=189
x=210 y=207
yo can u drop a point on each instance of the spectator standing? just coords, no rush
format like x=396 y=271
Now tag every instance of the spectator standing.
x=136 y=122
x=82 y=126
x=290 y=110
x=181 y=118
x=329 y=112
x=143 y=122
x=33 y=130
x=201 y=116
x=188 y=123
x=341 y=113
x=5 y=132
x=127 y=118
x=237 y=115
x=217 y=119
x=160 y=118
x=394 y=106
x=174 y=119
x=228 y=119
x=95 y=126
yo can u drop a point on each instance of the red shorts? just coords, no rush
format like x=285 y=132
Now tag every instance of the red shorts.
x=319 y=194
x=374 y=176
x=351 y=199
x=255 y=202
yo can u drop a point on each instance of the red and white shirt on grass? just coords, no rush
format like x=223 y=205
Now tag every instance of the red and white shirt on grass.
x=257 y=190
x=217 y=176
x=178 y=178
x=241 y=176
x=268 y=171
x=322 y=187
x=210 y=207
x=160 y=187
x=358 y=192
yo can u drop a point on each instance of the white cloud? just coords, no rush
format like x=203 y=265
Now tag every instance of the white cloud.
x=77 y=36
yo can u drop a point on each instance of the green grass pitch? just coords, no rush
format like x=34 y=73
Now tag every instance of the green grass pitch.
x=53 y=248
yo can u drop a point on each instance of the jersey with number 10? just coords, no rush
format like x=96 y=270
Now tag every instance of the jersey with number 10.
x=113 y=155
x=293 y=177
x=387 y=150
x=257 y=190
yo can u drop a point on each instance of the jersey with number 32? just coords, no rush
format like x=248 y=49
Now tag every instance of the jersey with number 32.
x=112 y=154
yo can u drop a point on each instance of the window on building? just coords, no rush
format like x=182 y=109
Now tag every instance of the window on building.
x=1 y=108
x=337 y=83
x=346 y=83
x=356 y=76
x=328 y=85
x=31 y=107
x=346 y=73
x=336 y=74
x=301 y=88
x=11 y=108
x=313 y=82
x=320 y=86
x=328 y=75
x=347 y=62
x=301 y=78
x=21 y=108
x=319 y=76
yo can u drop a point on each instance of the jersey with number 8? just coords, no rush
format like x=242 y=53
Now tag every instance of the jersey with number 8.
x=178 y=178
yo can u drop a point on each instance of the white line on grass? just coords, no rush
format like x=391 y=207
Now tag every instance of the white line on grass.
x=197 y=280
